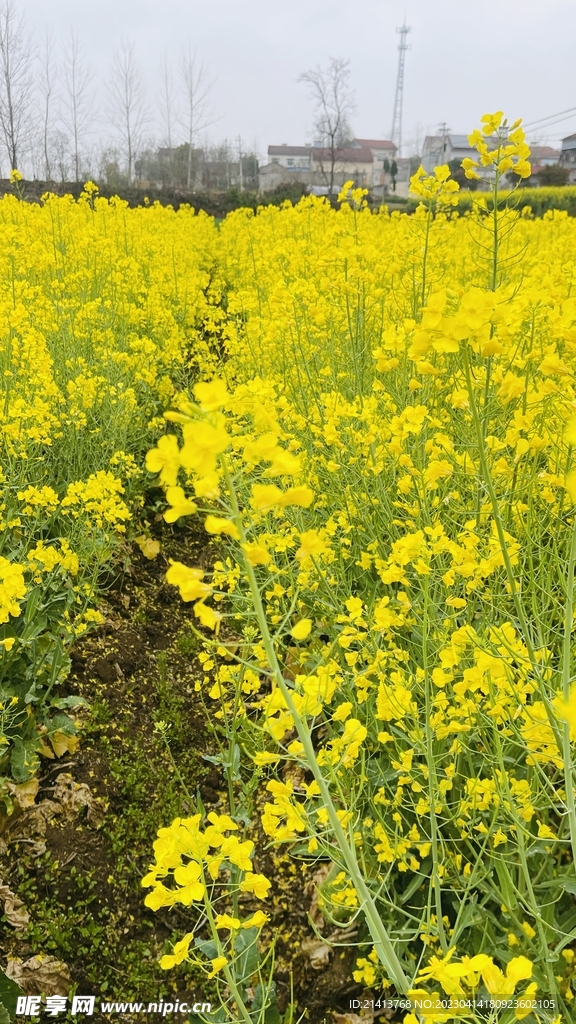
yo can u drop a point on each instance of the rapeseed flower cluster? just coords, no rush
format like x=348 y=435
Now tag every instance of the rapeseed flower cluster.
x=510 y=150
x=12 y=589
x=196 y=860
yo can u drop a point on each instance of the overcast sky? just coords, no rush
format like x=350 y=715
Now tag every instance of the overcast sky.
x=465 y=58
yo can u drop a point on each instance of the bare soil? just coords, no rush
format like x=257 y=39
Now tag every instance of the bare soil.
x=78 y=870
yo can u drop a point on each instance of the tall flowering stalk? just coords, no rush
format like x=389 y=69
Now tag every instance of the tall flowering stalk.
x=206 y=441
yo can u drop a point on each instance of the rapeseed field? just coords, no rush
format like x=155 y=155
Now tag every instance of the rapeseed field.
x=373 y=418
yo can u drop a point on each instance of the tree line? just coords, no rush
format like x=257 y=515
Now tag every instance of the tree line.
x=53 y=129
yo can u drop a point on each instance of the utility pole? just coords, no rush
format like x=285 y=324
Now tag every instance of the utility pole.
x=444 y=135
x=396 y=133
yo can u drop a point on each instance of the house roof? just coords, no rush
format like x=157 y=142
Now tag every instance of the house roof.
x=350 y=155
x=435 y=142
x=544 y=153
x=285 y=150
x=437 y=145
x=459 y=142
x=569 y=142
x=374 y=144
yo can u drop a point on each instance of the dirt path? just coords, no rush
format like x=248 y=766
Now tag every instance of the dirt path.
x=75 y=858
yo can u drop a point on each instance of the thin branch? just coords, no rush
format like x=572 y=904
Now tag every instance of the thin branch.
x=127 y=102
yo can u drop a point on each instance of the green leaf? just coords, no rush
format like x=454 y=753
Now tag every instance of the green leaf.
x=9 y=992
x=69 y=702
x=569 y=884
x=24 y=759
x=415 y=883
x=34 y=628
x=32 y=604
x=61 y=723
x=246 y=950
x=217 y=759
x=236 y=763
x=207 y=947
x=266 y=995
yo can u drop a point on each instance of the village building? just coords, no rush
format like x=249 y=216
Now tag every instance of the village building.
x=568 y=157
x=442 y=149
x=540 y=157
x=362 y=160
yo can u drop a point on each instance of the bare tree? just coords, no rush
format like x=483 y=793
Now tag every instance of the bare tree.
x=47 y=94
x=77 y=81
x=167 y=108
x=334 y=103
x=196 y=114
x=16 y=81
x=60 y=155
x=127 y=101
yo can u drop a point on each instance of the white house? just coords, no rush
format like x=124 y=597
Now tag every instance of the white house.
x=362 y=160
x=293 y=158
x=441 y=149
x=568 y=156
x=543 y=156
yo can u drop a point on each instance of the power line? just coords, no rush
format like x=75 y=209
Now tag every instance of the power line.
x=562 y=115
x=550 y=124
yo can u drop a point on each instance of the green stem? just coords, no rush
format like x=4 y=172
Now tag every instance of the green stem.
x=234 y=872
x=380 y=937
x=562 y=737
x=487 y=478
x=425 y=260
x=432 y=780
x=495 y=236
x=228 y=974
x=566 y=678
x=519 y=829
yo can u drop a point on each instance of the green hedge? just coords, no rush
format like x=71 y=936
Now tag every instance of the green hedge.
x=540 y=200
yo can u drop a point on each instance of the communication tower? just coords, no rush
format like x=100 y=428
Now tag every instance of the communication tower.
x=396 y=133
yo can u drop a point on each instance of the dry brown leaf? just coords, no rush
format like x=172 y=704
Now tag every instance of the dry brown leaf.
x=24 y=793
x=313 y=889
x=317 y=952
x=97 y=811
x=295 y=774
x=70 y=798
x=40 y=975
x=71 y=795
x=37 y=817
x=354 y=1018
x=13 y=908
x=31 y=826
